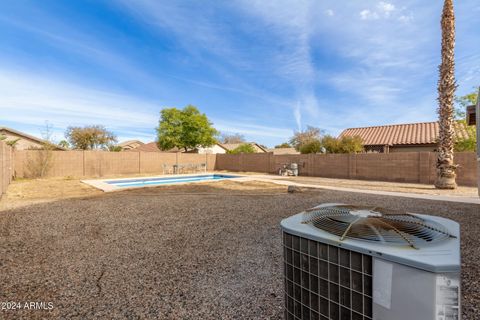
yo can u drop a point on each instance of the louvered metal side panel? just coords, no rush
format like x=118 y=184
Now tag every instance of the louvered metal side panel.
x=325 y=282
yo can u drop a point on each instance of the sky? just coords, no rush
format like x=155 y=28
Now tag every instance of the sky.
x=260 y=68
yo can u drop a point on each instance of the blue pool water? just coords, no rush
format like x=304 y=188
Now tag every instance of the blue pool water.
x=167 y=180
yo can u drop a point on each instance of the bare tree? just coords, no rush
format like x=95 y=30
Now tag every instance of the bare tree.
x=41 y=161
x=231 y=138
x=446 y=93
x=90 y=137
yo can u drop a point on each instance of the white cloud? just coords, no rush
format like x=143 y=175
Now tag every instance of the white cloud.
x=290 y=27
x=386 y=8
x=298 y=116
x=405 y=18
x=330 y=12
x=368 y=15
x=382 y=10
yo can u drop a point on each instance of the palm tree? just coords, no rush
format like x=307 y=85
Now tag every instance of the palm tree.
x=446 y=91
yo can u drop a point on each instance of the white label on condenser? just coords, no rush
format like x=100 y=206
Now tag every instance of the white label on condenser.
x=448 y=297
x=382 y=283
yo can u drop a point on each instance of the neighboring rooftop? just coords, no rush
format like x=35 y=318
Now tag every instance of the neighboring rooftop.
x=402 y=134
x=130 y=144
x=232 y=146
x=279 y=151
x=25 y=141
x=148 y=147
x=153 y=147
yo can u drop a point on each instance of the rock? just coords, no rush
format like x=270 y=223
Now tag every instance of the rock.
x=293 y=189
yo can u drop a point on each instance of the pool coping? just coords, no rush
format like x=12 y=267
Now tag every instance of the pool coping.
x=107 y=187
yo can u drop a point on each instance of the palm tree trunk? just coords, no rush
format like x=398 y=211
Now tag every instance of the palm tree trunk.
x=446 y=90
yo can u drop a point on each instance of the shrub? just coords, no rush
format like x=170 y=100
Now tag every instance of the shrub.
x=243 y=148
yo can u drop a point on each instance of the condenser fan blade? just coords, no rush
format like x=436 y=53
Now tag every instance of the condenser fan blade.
x=375 y=224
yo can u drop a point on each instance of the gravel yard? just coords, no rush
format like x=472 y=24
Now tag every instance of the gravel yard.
x=205 y=251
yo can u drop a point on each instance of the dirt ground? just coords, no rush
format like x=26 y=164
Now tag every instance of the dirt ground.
x=204 y=251
x=31 y=191
x=27 y=192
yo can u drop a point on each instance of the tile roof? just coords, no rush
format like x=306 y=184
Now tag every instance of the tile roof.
x=283 y=151
x=402 y=134
x=128 y=142
x=231 y=146
x=147 y=147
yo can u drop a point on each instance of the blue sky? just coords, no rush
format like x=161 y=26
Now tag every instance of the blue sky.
x=256 y=67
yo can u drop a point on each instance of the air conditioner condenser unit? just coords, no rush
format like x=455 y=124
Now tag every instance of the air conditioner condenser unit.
x=344 y=262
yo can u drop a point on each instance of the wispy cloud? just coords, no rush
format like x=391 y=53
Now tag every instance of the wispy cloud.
x=366 y=14
x=251 y=129
x=32 y=100
x=27 y=99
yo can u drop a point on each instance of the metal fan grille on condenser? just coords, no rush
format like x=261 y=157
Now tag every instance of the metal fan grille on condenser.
x=376 y=224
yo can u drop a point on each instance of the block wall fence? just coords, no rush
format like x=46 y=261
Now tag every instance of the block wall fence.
x=103 y=163
x=6 y=166
x=414 y=167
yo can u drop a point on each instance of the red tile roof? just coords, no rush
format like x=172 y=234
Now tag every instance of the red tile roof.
x=147 y=147
x=402 y=134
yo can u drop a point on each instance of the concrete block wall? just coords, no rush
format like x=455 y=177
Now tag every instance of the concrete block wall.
x=6 y=164
x=102 y=163
x=415 y=167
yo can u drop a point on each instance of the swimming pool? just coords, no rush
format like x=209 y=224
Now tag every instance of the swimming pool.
x=117 y=184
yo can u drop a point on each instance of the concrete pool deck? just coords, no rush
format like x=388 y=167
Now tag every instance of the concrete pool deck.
x=104 y=185
x=286 y=181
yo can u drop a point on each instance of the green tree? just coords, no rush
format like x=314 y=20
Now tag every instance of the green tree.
x=114 y=148
x=243 y=148
x=283 y=145
x=90 y=137
x=345 y=144
x=311 y=146
x=304 y=137
x=468 y=143
x=463 y=102
x=185 y=129
x=64 y=144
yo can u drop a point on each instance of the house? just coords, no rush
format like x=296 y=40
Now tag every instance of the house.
x=216 y=148
x=23 y=140
x=130 y=144
x=471 y=115
x=409 y=137
x=231 y=146
x=153 y=147
x=280 y=151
